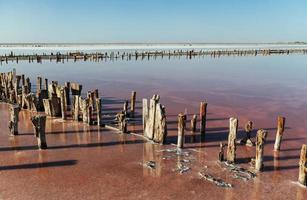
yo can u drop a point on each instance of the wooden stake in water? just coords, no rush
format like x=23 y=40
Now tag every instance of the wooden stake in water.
x=193 y=123
x=203 y=116
x=302 y=177
x=132 y=103
x=39 y=123
x=260 y=140
x=181 y=127
x=13 y=125
x=280 y=130
x=232 y=136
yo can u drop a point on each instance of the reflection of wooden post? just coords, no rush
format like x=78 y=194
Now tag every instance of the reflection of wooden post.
x=302 y=177
x=99 y=114
x=280 y=130
x=132 y=103
x=260 y=140
x=203 y=116
x=193 y=123
x=39 y=123
x=13 y=126
x=231 y=148
x=181 y=127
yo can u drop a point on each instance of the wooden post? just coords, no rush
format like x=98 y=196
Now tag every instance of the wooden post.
x=13 y=125
x=193 y=123
x=39 y=85
x=302 y=177
x=221 y=153
x=63 y=103
x=203 y=116
x=181 y=127
x=160 y=128
x=132 y=103
x=231 y=148
x=39 y=123
x=46 y=84
x=125 y=108
x=260 y=140
x=122 y=123
x=67 y=86
x=76 y=107
x=145 y=114
x=280 y=130
x=99 y=114
x=247 y=139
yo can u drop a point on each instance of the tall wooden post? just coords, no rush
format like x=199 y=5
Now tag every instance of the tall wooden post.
x=181 y=127
x=260 y=140
x=13 y=125
x=231 y=148
x=280 y=130
x=203 y=117
x=39 y=123
x=302 y=177
x=132 y=103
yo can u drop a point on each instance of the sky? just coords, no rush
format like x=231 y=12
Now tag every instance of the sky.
x=153 y=21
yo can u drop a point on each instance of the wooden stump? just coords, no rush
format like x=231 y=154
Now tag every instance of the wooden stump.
x=132 y=103
x=99 y=114
x=63 y=103
x=280 y=130
x=39 y=123
x=181 y=127
x=76 y=104
x=193 y=123
x=75 y=89
x=302 y=177
x=13 y=124
x=122 y=123
x=38 y=84
x=145 y=115
x=247 y=139
x=67 y=87
x=260 y=140
x=231 y=148
x=125 y=108
x=160 y=128
x=203 y=117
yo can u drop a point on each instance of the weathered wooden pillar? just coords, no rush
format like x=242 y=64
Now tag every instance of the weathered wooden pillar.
x=145 y=114
x=280 y=130
x=122 y=123
x=181 y=127
x=46 y=84
x=13 y=124
x=39 y=85
x=39 y=123
x=132 y=103
x=63 y=103
x=160 y=127
x=67 y=87
x=302 y=177
x=125 y=108
x=99 y=114
x=203 y=117
x=76 y=107
x=85 y=110
x=247 y=139
x=260 y=140
x=193 y=123
x=231 y=148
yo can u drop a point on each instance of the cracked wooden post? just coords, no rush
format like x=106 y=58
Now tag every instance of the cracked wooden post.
x=160 y=124
x=38 y=85
x=193 y=123
x=280 y=130
x=132 y=103
x=76 y=107
x=63 y=103
x=13 y=124
x=122 y=123
x=181 y=127
x=39 y=123
x=231 y=148
x=302 y=177
x=145 y=114
x=203 y=116
x=260 y=140
x=99 y=114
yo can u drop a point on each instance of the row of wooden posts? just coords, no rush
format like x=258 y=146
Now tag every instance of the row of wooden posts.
x=61 y=57
x=55 y=101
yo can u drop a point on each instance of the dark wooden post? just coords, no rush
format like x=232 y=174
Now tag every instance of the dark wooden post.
x=203 y=116
x=280 y=130
x=231 y=148
x=260 y=140
x=132 y=103
x=13 y=125
x=302 y=177
x=67 y=86
x=181 y=127
x=39 y=123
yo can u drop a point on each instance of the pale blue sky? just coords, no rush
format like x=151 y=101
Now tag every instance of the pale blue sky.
x=153 y=20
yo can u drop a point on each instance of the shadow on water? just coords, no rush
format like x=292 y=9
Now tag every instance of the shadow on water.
x=40 y=165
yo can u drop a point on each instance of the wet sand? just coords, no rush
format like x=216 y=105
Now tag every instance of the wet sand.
x=87 y=162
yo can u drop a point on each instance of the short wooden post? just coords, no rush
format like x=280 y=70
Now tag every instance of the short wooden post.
x=247 y=139
x=99 y=114
x=13 y=125
x=132 y=103
x=280 y=130
x=122 y=123
x=231 y=148
x=39 y=123
x=260 y=140
x=203 y=116
x=181 y=127
x=302 y=177
x=193 y=123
